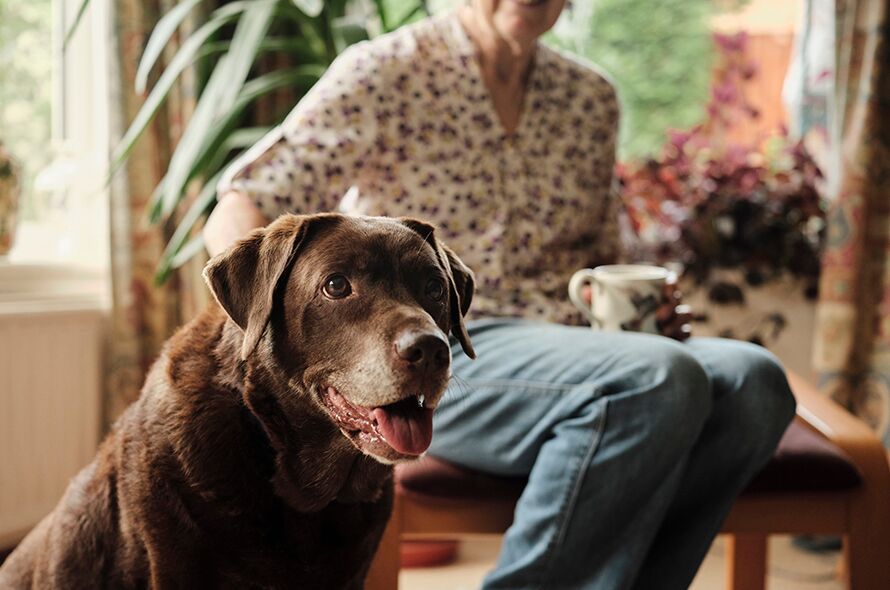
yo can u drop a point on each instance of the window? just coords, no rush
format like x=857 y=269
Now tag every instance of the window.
x=54 y=118
x=26 y=89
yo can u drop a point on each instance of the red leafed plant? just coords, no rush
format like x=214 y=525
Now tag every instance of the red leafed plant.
x=709 y=201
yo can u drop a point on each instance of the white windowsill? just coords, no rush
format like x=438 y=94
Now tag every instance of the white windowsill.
x=47 y=288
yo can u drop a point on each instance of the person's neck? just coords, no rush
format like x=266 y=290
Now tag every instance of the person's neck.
x=505 y=63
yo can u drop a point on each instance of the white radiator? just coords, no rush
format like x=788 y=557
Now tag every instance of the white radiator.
x=50 y=401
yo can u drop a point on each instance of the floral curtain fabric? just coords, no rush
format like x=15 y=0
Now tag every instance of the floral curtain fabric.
x=852 y=349
x=143 y=314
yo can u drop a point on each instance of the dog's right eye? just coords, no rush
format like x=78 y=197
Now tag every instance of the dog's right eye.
x=337 y=287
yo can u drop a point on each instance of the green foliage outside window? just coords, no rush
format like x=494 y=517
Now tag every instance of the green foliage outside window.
x=26 y=85
x=659 y=54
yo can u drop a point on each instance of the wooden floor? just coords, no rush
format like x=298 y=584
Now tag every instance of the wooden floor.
x=790 y=568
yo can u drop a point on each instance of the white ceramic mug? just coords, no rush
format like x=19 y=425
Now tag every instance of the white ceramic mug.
x=625 y=296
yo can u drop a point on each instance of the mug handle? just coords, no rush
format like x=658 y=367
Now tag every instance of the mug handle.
x=581 y=278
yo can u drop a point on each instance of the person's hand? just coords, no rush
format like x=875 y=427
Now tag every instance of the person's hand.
x=673 y=318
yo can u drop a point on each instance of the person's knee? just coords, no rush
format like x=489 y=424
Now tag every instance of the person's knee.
x=768 y=387
x=764 y=405
x=684 y=388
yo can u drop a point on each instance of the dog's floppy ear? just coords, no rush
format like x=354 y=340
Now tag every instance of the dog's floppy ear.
x=463 y=285
x=244 y=278
x=461 y=282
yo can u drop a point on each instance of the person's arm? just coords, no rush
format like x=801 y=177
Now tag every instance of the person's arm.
x=306 y=164
x=233 y=217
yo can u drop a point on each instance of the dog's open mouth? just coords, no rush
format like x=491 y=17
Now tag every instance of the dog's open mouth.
x=406 y=426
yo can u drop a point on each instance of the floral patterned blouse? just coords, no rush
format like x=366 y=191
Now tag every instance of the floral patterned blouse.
x=404 y=126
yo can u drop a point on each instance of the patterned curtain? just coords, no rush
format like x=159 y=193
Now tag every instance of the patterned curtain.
x=852 y=351
x=144 y=314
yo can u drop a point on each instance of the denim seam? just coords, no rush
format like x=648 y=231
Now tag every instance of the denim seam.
x=571 y=499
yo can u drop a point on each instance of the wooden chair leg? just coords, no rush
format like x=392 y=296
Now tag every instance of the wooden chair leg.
x=866 y=562
x=384 y=572
x=867 y=542
x=746 y=562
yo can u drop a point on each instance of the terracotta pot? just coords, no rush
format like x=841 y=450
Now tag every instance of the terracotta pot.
x=10 y=186
x=420 y=554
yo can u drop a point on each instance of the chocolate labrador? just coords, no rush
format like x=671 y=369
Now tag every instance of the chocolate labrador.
x=260 y=452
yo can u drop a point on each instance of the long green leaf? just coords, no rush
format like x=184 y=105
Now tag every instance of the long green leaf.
x=303 y=76
x=347 y=31
x=381 y=12
x=337 y=7
x=195 y=245
x=246 y=137
x=239 y=139
x=199 y=123
x=183 y=230
x=249 y=35
x=295 y=47
x=214 y=149
x=221 y=138
x=159 y=93
x=175 y=254
x=81 y=10
x=160 y=35
x=221 y=92
x=311 y=8
x=415 y=13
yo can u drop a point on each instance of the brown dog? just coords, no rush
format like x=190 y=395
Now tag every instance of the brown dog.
x=258 y=455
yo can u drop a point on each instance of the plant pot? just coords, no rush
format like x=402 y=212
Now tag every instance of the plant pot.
x=10 y=186
x=430 y=553
x=765 y=308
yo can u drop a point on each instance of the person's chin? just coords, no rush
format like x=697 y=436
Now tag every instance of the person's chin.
x=518 y=29
x=522 y=24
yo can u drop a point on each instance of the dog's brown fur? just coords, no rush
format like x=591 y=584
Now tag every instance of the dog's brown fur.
x=229 y=473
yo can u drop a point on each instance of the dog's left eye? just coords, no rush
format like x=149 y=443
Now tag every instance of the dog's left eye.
x=337 y=287
x=435 y=289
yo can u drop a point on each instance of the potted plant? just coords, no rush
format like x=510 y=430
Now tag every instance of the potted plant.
x=744 y=220
x=231 y=50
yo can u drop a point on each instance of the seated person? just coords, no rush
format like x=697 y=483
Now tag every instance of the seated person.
x=635 y=445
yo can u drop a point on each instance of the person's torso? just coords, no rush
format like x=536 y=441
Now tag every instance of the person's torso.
x=524 y=211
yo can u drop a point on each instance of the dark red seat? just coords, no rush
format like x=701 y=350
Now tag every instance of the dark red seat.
x=804 y=461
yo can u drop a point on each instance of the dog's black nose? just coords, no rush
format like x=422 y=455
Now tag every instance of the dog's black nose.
x=423 y=350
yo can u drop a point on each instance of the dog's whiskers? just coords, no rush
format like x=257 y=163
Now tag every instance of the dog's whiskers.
x=460 y=392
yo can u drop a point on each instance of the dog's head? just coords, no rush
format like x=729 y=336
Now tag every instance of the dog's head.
x=355 y=312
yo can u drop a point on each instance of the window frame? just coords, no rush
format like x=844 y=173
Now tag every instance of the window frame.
x=81 y=122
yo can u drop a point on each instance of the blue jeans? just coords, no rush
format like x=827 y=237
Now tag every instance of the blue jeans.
x=635 y=446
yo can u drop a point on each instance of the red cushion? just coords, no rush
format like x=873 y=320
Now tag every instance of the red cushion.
x=804 y=461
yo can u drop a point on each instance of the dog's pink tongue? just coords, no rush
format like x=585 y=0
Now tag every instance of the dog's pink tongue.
x=408 y=430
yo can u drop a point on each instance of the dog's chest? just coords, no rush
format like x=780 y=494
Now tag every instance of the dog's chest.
x=331 y=548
